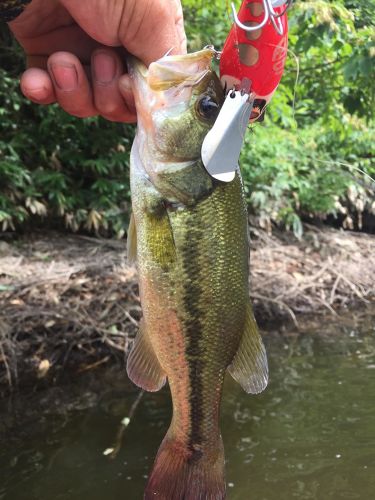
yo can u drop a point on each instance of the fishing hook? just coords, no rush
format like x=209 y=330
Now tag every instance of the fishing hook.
x=269 y=12
x=251 y=28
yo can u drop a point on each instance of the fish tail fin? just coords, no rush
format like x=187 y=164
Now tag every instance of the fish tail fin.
x=180 y=474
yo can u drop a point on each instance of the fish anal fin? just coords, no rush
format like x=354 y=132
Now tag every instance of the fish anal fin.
x=143 y=366
x=249 y=366
x=131 y=243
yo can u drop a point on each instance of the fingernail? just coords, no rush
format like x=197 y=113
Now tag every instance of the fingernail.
x=104 y=67
x=39 y=94
x=65 y=76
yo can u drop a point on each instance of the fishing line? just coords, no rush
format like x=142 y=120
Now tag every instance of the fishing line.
x=296 y=59
x=299 y=138
x=347 y=165
x=229 y=12
x=298 y=71
x=252 y=127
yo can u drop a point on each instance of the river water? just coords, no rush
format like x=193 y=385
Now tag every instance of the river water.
x=310 y=435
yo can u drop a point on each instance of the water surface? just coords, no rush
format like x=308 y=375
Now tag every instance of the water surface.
x=311 y=435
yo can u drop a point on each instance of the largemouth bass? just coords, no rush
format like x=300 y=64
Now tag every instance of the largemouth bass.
x=189 y=233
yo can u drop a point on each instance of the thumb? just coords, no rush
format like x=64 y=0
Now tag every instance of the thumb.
x=100 y=19
x=153 y=29
x=180 y=28
x=147 y=29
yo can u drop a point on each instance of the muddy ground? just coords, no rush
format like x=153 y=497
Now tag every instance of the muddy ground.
x=70 y=303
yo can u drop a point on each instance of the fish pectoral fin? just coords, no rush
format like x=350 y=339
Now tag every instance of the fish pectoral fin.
x=249 y=366
x=131 y=243
x=143 y=366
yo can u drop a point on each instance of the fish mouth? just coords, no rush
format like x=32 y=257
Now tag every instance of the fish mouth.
x=187 y=70
x=168 y=82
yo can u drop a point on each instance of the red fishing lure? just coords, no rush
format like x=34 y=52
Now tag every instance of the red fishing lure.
x=255 y=50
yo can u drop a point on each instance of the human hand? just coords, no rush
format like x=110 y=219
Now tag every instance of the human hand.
x=67 y=44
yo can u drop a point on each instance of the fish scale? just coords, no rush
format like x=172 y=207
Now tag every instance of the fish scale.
x=211 y=326
x=192 y=255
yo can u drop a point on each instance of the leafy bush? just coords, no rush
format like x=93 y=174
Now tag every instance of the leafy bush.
x=312 y=157
x=54 y=166
x=299 y=175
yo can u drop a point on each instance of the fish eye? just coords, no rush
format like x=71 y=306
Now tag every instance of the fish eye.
x=207 y=107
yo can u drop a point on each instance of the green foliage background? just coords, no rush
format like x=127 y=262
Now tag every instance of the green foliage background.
x=312 y=157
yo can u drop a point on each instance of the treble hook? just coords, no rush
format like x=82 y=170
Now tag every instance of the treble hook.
x=251 y=28
x=276 y=23
x=269 y=12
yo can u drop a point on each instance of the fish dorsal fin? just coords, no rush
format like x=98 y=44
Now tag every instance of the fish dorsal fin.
x=143 y=366
x=131 y=244
x=249 y=366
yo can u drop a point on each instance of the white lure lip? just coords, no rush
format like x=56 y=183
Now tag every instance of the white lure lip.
x=222 y=145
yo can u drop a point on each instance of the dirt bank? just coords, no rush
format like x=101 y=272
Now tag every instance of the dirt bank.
x=71 y=302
